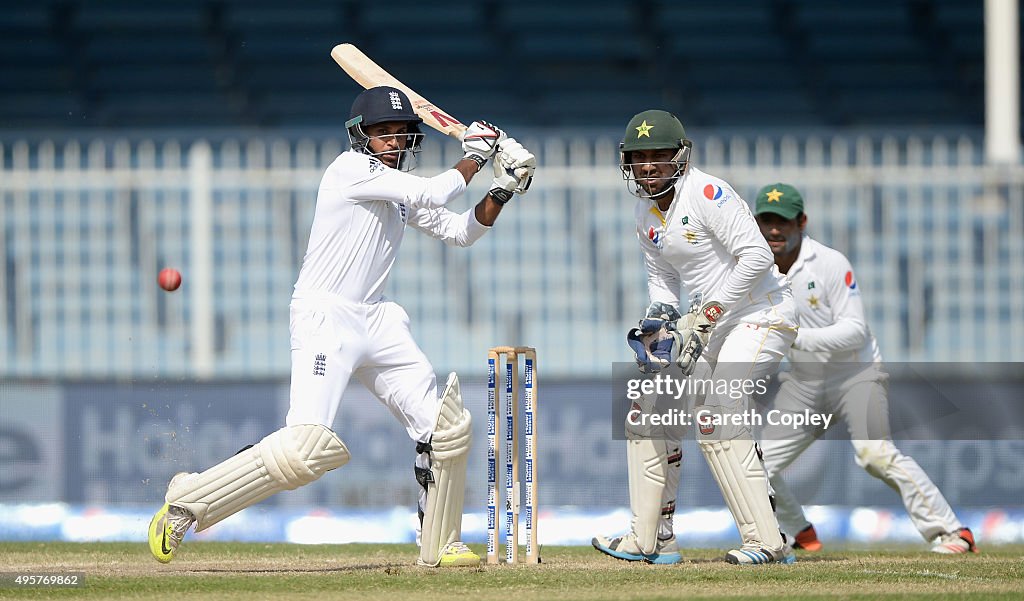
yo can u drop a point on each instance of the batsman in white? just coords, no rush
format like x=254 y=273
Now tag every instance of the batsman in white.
x=700 y=241
x=836 y=368
x=343 y=325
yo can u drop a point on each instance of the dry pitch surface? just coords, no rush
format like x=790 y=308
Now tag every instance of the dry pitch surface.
x=285 y=572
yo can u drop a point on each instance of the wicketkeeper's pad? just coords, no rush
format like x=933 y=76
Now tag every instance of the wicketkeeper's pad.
x=737 y=467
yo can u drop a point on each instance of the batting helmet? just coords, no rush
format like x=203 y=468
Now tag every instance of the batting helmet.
x=379 y=105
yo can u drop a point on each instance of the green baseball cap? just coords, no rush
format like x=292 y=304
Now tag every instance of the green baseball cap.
x=781 y=199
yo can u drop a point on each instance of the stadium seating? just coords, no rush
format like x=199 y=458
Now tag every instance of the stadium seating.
x=259 y=63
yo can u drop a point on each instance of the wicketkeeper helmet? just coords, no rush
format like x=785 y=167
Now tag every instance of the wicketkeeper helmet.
x=653 y=130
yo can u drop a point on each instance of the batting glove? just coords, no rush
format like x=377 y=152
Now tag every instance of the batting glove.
x=519 y=162
x=480 y=141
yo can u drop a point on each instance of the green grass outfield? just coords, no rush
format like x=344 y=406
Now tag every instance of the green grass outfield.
x=316 y=572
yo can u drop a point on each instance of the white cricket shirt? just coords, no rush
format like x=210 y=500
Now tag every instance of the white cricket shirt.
x=829 y=309
x=707 y=242
x=362 y=209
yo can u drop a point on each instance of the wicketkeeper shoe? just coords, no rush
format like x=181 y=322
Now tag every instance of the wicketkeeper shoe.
x=752 y=556
x=167 y=529
x=807 y=539
x=625 y=548
x=961 y=541
x=456 y=554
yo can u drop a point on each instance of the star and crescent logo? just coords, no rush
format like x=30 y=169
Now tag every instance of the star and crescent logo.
x=774 y=195
x=644 y=129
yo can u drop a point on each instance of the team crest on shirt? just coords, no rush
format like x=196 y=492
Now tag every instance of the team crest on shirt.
x=685 y=220
x=810 y=285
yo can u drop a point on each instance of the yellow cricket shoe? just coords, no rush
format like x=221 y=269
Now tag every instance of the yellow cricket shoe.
x=455 y=555
x=167 y=529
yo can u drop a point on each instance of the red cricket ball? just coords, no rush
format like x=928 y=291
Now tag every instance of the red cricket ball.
x=169 y=279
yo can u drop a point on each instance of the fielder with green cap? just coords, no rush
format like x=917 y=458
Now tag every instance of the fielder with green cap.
x=701 y=246
x=836 y=368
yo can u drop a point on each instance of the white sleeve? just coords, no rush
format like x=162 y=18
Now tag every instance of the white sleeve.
x=849 y=329
x=735 y=227
x=383 y=183
x=455 y=229
x=662 y=279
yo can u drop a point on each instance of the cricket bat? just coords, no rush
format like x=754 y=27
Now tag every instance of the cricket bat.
x=369 y=74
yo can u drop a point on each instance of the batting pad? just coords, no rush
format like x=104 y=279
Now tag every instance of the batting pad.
x=283 y=460
x=449 y=454
x=647 y=466
x=740 y=475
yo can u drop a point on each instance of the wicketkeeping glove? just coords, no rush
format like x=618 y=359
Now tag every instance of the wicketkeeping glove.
x=694 y=331
x=656 y=342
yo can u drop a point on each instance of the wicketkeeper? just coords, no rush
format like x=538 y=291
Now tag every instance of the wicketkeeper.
x=700 y=242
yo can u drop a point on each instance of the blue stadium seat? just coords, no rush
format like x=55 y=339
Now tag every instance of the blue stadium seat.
x=172 y=79
x=705 y=17
x=740 y=107
x=567 y=17
x=152 y=49
x=101 y=18
x=304 y=108
x=40 y=109
x=26 y=48
x=421 y=18
x=439 y=51
x=742 y=48
x=562 y=46
x=245 y=17
x=26 y=17
x=268 y=47
x=855 y=45
x=156 y=108
x=35 y=78
x=909 y=107
x=844 y=16
x=262 y=57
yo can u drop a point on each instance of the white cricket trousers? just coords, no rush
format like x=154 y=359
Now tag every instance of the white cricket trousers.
x=746 y=350
x=860 y=398
x=333 y=339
